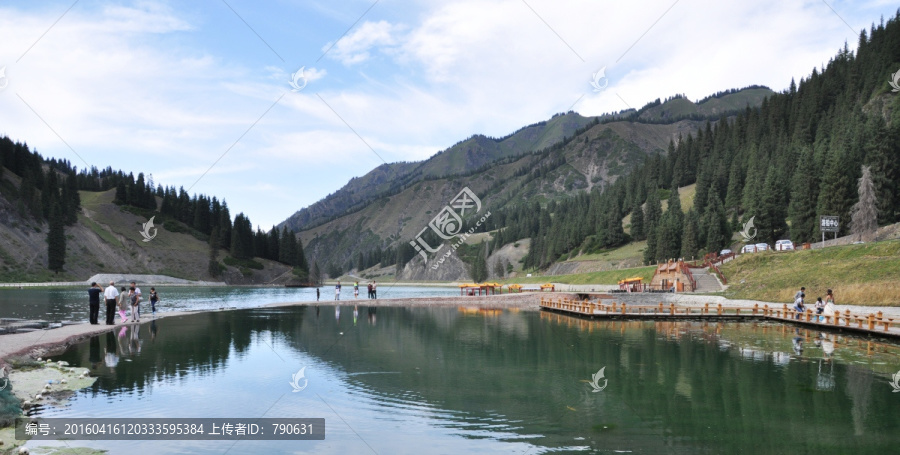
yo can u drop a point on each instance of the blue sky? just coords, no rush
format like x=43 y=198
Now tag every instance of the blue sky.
x=198 y=93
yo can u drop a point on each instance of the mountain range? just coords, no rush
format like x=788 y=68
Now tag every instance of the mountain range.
x=554 y=159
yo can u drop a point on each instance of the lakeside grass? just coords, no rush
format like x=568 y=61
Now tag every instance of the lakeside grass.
x=867 y=274
x=633 y=250
x=602 y=277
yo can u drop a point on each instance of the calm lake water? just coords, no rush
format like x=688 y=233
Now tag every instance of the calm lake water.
x=456 y=380
x=71 y=304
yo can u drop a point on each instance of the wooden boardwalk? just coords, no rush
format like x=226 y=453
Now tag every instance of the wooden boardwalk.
x=873 y=324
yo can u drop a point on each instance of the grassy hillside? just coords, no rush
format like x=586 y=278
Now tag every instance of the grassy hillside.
x=633 y=250
x=107 y=239
x=866 y=274
x=604 y=277
x=682 y=107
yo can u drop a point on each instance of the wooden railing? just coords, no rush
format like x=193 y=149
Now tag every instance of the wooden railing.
x=686 y=269
x=871 y=322
x=718 y=272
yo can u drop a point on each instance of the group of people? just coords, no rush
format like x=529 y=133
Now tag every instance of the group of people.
x=823 y=307
x=373 y=291
x=116 y=300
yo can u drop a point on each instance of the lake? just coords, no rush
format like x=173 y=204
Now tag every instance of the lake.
x=58 y=304
x=395 y=380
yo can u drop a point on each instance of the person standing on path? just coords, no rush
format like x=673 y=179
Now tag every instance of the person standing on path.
x=94 y=302
x=154 y=298
x=370 y=289
x=337 y=291
x=111 y=295
x=317 y=294
x=123 y=303
x=830 y=310
x=356 y=290
x=135 y=302
x=374 y=290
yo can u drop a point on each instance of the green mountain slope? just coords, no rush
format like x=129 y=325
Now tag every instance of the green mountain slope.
x=721 y=103
x=107 y=239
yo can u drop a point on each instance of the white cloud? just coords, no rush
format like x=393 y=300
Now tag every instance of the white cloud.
x=356 y=45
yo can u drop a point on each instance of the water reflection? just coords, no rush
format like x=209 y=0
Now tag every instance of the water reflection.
x=439 y=380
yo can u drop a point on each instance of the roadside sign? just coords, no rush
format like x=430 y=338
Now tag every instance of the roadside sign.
x=829 y=223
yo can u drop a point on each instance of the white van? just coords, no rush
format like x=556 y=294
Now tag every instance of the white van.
x=784 y=245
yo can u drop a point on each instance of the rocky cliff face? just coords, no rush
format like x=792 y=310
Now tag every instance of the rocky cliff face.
x=452 y=269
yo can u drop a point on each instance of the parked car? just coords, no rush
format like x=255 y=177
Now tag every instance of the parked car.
x=784 y=245
x=748 y=249
x=725 y=252
x=762 y=247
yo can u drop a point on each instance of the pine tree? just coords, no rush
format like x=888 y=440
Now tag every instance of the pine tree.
x=804 y=194
x=50 y=194
x=499 y=271
x=478 y=270
x=650 y=250
x=735 y=186
x=675 y=222
x=242 y=238
x=690 y=244
x=716 y=225
x=288 y=247
x=56 y=239
x=273 y=244
x=637 y=222
x=121 y=193
x=615 y=235
x=663 y=239
x=864 y=214
x=702 y=188
x=835 y=195
x=653 y=210
x=882 y=149
x=772 y=208
x=225 y=227
x=752 y=192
